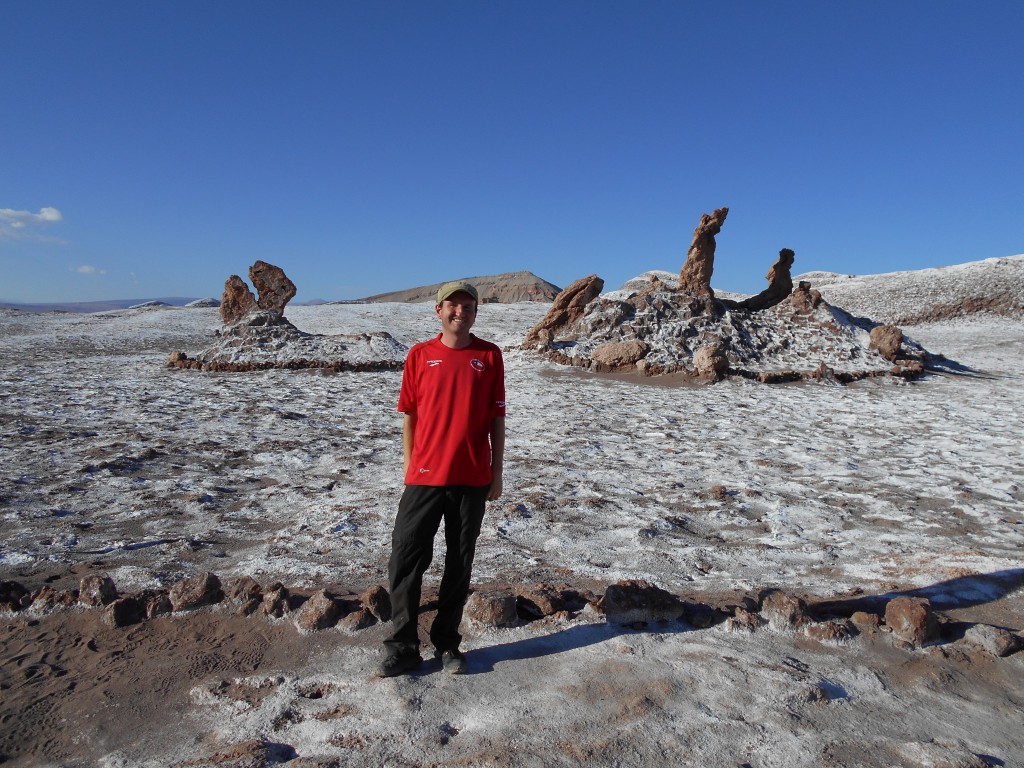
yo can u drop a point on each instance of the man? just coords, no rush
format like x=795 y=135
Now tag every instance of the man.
x=453 y=439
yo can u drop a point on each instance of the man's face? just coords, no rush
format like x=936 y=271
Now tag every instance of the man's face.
x=457 y=313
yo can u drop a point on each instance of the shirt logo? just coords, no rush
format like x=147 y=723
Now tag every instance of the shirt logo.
x=477 y=364
x=434 y=363
x=423 y=471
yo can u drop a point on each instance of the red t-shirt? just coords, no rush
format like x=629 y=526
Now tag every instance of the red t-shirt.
x=456 y=394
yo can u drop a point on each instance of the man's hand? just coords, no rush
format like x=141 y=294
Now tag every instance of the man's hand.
x=494 y=492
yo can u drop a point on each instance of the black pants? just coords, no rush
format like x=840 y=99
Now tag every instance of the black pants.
x=412 y=548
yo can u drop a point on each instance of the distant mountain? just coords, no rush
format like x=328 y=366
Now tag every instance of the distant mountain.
x=506 y=288
x=106 y=306
x=995 y=286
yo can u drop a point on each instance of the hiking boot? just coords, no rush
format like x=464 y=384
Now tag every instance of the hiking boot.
x=453 y=662
x=399 y=662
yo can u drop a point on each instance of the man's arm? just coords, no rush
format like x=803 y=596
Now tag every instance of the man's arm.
x=497 y=457
x=408 y=431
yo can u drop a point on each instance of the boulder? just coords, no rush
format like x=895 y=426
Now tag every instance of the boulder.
x=619 y=354
x=887 y=340
x=493 y=609
x=567 y=307
x=13 y=596
x=274 y=288
x=361 y=618
x=639 y=602
x=124 y=612
x=196 y=591
x=318 y=612
x=275 y=600
x=695 y=276
x=834 y=631
x=237 y=300
x=96 y=590
x=245 y=594
x=710 y=361
x=377 y=601
x=994 y=640
x=911 y=619
x=783 y=611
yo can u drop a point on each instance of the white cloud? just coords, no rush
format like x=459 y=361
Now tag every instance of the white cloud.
x=21 y=224
x=86 y=269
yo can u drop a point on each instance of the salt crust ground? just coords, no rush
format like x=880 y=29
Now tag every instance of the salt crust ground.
x=113 y=462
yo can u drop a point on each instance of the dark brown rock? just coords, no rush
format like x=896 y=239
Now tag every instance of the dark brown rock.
x=275 y=600
x=96 y=590
x=780 y=284
x=318 y=612
x=887 y=340
x=639 y=602
x=567 y=307
x=695 y=276
x=13 y=596
x=274 y=288
x=378 y=602
x=46 y=598
x=865 y=620
x=744 y=620
x=237 y=300
x=493 y=609
x=155 y=603
x=124 y=612
x=911 y=619
x=361 y=618
x=196 y=591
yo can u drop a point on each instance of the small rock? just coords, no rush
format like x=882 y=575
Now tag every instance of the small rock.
x=14 y=596
x=493 y=609
x=632 y=601
x=835 y=631
x=377 y=601
x=744 y=621
x=275 y=600
x=123 y=612
x=195 y=591
x=318 y=612
x=96 y=590
x=361 y=618
x=865 y=620
x=995 y=640
x=911 y=619
x=783 y=611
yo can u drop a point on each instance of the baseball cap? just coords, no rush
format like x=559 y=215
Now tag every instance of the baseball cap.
x=455 y=286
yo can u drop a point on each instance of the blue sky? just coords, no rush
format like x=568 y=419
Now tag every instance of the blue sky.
x=154 y=148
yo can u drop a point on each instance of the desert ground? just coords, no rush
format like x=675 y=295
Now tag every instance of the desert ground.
x=842 y=496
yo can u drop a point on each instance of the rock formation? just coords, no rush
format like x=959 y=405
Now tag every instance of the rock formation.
x=237 y=300
x=256 y=335
x=780 y=284
x=695 y=276
x=567 y=308
x=274 y=287
x=655 y=327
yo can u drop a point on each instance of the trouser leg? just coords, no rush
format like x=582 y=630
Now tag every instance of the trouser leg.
x=463 y=516
x=412 y=547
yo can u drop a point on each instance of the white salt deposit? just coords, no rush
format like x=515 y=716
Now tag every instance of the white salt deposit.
x=878 y=487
